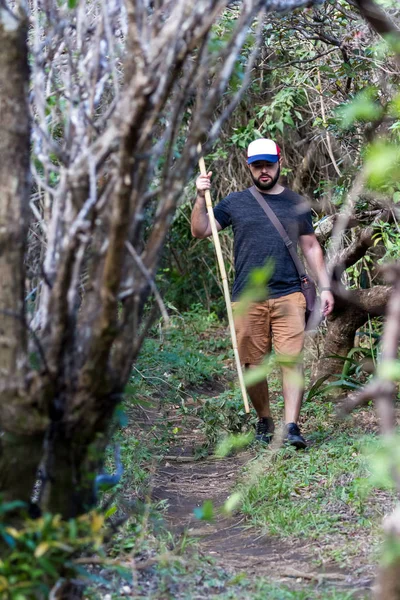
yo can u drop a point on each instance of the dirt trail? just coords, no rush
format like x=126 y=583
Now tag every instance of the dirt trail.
x=186 y=484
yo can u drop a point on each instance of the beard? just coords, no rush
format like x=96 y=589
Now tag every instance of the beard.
x=266 y=186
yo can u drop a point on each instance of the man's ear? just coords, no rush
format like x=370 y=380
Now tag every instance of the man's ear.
x=280 y=160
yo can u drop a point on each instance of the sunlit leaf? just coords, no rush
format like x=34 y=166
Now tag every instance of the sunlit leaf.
x=382 y=164
x=97 y=522
x=205 y=512
x=389 y=369
x=363 y=108
x=232 y=502
x=42 y=549
x=233 y=442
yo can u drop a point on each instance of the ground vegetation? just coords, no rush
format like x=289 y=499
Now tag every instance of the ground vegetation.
x=103 y=106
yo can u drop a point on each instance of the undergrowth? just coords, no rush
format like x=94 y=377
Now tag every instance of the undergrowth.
x=318 y=496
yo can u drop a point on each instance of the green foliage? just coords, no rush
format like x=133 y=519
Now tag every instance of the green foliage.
x=256 y=289
x=383 y=460
x=389 y=370
x=364 y=107
x=205 y=512
x=189 y=272
x=176 y=359
x=222 y=415
x=356 y=369
x=291 y=494
x=271 y=119
x=41 y=551
x=382 y=164
x=232 y=443
x=274 y=591
x=390 y=237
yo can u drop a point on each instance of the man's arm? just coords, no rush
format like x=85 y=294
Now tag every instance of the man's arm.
x=315 y=259
x=200 y=223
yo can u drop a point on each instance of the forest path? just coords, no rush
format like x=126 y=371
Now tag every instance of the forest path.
x=185 y=483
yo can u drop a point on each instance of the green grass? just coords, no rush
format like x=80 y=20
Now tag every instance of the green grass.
x=309 y=494
x=318 y=496
x=177 y=360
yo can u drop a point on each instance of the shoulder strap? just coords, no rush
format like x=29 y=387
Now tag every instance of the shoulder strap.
x=280 y=229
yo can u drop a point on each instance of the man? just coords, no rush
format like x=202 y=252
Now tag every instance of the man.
x=281 y=317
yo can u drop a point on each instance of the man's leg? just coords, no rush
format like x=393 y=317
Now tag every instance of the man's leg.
x=259 y=396
x=253 y=331
x=293 y=389
x=287 y=322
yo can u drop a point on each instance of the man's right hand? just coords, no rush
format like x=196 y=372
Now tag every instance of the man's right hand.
x=203 y=183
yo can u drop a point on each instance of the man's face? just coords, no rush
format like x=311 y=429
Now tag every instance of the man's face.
x=264 y=174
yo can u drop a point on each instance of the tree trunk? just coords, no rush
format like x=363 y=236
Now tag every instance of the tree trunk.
x=21 y=441
x=343 y=324
x=19 y=459
x=14 y=193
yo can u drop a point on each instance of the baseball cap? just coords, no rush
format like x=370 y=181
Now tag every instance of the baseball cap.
x=263 y=149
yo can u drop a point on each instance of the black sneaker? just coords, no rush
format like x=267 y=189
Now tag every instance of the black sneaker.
x=265 y=430
x=293 y=436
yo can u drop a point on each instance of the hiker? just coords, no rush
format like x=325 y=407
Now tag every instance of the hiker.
x=281 y=316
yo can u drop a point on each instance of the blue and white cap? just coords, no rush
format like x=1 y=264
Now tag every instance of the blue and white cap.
x=263 y=149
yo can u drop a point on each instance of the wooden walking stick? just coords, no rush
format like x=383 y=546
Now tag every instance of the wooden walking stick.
x=227 y=295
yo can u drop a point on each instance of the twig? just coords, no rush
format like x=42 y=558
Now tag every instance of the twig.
x=115 y=562
x=328 y=137
x=149 y=280
x=312 y=576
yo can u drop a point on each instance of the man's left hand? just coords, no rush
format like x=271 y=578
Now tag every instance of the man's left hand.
x=327 y=302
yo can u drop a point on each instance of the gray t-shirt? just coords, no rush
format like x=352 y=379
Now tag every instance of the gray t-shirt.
x=256 y=240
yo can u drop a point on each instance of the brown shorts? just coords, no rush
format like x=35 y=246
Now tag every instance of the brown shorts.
x=281 y=320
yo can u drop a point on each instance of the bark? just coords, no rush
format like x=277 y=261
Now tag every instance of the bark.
x=68 y=468
x=14 y=193
x=21 y=416
x=377 y=18
x=19 y=459
x=349 y=315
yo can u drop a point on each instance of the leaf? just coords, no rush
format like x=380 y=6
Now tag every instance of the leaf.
x=382 y=164
x=3 y=584
x=12 y=531
x=205 y=512
x=72 y=3
x=61 y=546
x=8 y=506
x=233 y=442
x=259 y=373
x=9 y=540
x=72 y=529
x=315 y=388
x=41 y=549
x=342 y=383
x=389 y=370
x=97 y=522
x=288 y=119
x=49 y=567
x=362 y=108
x=110 y=512
x=232 y=502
